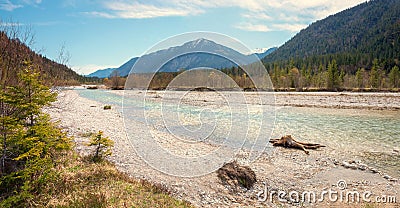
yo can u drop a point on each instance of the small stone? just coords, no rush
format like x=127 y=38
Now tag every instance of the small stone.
x=354 y=167
x=362 y=167
x=345 y=164
x=335 y=162
x=349 y=165
x=373 y=170
x=386 y=176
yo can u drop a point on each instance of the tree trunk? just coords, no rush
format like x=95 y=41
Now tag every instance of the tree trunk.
x=98 y=150
x=3 y=156
x=4 y=137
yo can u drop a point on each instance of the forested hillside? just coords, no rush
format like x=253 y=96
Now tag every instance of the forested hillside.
x=371 y=28
x=356 y=48
x=13 y=54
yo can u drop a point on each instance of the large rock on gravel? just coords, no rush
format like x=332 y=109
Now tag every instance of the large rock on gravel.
x=236 y=175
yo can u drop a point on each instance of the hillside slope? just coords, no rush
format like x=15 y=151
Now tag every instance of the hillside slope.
x=13 y=53
x=371 y=28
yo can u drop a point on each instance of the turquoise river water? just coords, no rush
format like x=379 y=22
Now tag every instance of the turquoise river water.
x=372 y=136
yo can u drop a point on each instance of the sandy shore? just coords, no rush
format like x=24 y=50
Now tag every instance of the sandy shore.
x=282 y=170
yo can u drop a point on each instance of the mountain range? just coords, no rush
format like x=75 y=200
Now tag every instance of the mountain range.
x=196 y=53
x=354 y=38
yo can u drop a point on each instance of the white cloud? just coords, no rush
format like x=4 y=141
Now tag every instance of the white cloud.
x=89 y=68
x=290 y=15
x=257 y=15
x=253 y=27
x=8 y=5
x=273 y=27
x=136 y=10
x=293 y=15
x=32 y=1
x=289 y=27
x=100 y=14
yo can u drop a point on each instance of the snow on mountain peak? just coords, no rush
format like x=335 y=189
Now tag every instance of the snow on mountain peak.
x=198 y=42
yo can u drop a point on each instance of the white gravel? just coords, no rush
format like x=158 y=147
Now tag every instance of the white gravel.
x=281 y=170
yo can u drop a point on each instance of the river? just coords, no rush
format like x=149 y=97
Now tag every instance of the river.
x=372 y=136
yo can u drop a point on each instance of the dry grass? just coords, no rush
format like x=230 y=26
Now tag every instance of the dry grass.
x=82 y=183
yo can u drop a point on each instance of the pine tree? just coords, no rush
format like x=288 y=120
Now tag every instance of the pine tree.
x=374 y=75
x=341 y=78
x=394 y=77
x=332 y=76
x=31 y=143
x=360 y=78
x=31 y=95
x=102 y=146
x=9 y=128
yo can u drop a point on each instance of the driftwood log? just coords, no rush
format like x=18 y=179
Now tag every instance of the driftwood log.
x=288 y=142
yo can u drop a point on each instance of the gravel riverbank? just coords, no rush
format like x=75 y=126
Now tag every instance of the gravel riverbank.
x=282 y=170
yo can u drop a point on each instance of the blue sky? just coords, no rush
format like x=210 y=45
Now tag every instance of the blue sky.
x=105 y=33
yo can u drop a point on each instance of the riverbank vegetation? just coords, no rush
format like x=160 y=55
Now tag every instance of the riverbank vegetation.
x=325 y=74
x=38 y=167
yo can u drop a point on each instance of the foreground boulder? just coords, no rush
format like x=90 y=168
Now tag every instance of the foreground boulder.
x=236 y=175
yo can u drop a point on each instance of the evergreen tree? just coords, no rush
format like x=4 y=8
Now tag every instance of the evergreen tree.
x=31 y=143
x=374 y=75
x=341 y=78
x=102 y=146
x=9 y=129
x=394 y=77
x=332 y=76
x=360 y=78
x=31 y=95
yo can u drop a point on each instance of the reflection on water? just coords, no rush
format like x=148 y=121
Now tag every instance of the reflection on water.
x=344 y=128
x=384 y=161
x=369 y=135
